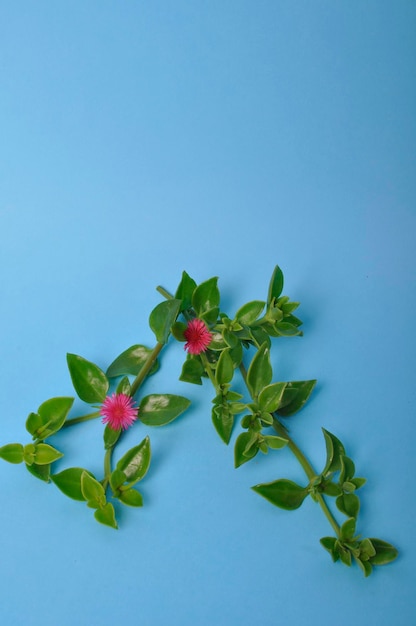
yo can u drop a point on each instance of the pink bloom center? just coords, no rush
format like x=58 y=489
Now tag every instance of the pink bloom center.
x=197 y=337
x=118 y=411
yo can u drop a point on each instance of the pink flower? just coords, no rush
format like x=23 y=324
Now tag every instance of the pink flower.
x=197 y=337
x=118 y=411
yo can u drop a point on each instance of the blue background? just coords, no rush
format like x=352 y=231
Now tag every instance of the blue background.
x=142 y=138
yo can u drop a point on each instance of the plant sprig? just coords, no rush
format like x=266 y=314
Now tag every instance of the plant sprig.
x=219 y=348
x=92 y=385
x=250 y=331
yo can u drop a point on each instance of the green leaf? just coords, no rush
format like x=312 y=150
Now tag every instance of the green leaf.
x=236 y=354
x=131 y=497
x=45 y=454
x=163 y=317
x=185 y=290
x=33 y=423
x=275 y=443
x=348 y=529
x=365 y=566
x=124 y=386
x=344 y=554
x=347 y=469
x=286 y=306
x=247 y=420
x=43 y=472
x=223 y=420
x=367 y=550
x=160 y=409
x=294 y=397
x=334 y=452
x=12 y=453
x=225 y=368
x=92 y=490
x=329 y=543
x=111 y=437
x=217 y=342
x=271 y=396
x=283 y=493
x=230 y=338
x=260 y=336
x=69 y=482
x=29 y=453
x=260 y=371
x=358 y=482
x=285 y=329
x=349 y=504
x=117 y=478
x=276 y=284
x=53 y=413
x=293 y=320
x=131 y=362
x=106 y=515
x=331 y=489
x=273 y=315
x=50 y=417
x=135 y=463
x=237 y=407
x=178 y=331
x=90 y=382
x=242 y=453
x=348 y=487
x=385 y=552
x=248 y=313
x=266 y=418
x=233 y=396
x=210 y=316
x=206 y=297
x=263 y=447
x=192 y=371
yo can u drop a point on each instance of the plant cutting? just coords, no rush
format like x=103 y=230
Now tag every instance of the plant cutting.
x=118 y=410
x=218 y=348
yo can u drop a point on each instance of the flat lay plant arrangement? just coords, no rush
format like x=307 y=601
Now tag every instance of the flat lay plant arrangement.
x=218 y=349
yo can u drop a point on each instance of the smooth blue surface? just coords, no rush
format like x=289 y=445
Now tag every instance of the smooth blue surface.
x=138 y=139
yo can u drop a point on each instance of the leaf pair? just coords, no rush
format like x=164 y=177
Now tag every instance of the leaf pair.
x=49 y=418
x=80 y=484
x=204 y=298
x=31 y=454
x=367 y=553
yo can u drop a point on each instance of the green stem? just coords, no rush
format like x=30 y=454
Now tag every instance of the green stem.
x=306 y=466
x=107 y=467
x=303 y=461
x=328 y=514
x=209 y=371
x=107 y=462
x=154 y=354
x=164 y=292
x=82 y=418
x=146 y=368
x=309 y=471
